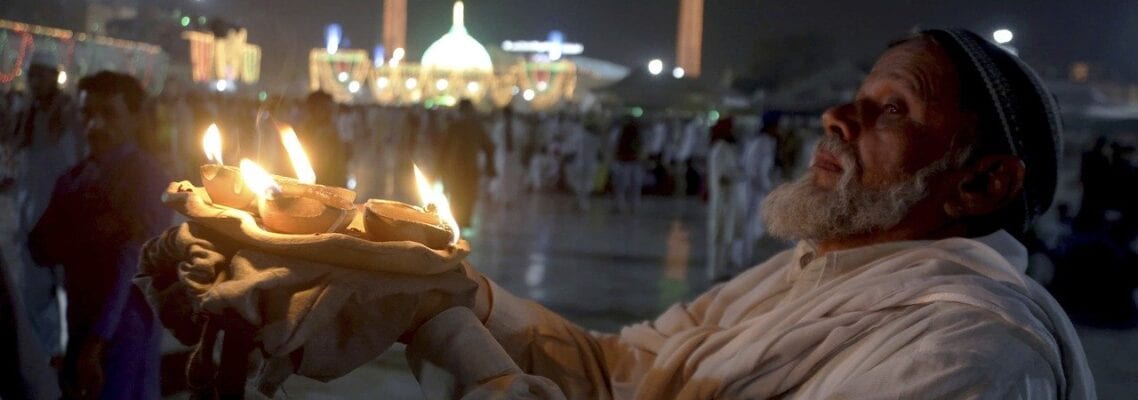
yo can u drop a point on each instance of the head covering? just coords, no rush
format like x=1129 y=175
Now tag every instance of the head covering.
x=1017 y=115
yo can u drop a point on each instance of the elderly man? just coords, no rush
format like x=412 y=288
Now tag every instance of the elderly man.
x=907 y=280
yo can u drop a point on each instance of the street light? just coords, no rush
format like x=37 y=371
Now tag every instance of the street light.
x=655 y=67
x=1002 y=36
x=678 y=72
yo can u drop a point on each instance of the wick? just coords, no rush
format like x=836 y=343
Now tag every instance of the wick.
x=431 y=208
x=272 y=192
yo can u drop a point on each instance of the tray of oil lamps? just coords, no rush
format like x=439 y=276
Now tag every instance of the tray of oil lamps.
x=351 y=246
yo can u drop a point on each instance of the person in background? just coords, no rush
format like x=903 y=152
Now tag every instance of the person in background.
x=510 y=135
x=758 y=160
x=47 y=143
x=727 y=204
x=584 y=150
x=465 y=139
x=322 y=141
x=101 y=211
x=628 y=166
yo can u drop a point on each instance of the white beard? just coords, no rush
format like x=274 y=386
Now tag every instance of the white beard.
x=801 y=210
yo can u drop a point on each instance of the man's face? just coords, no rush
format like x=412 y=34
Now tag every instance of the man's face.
x=106 y=117
x=880 y=152
x=906 y=115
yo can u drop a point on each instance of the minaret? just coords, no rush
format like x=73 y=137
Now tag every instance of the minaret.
x=394 y=26
x=689 y=37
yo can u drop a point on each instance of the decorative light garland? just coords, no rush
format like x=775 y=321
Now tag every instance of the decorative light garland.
x=388 y=84
x=80 y=53
x=324 y=71
x=27 y=45
x=229 y=58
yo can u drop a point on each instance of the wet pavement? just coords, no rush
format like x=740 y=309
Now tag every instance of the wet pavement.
x=604 y=270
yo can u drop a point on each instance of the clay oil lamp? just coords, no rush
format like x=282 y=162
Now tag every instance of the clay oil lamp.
x=223 y=183
x=298 y=206
x=432 y=225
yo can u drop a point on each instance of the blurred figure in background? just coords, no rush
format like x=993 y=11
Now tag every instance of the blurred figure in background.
x=759 y=153
x=628 y=167
x=583 y=152
x=727 y=200
x=47 y=145
x=464 y=140
x=509 y=137
x=23 y=361
x=100 y=213
x=321 y=139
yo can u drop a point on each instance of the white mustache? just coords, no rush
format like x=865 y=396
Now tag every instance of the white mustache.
x=842 y=150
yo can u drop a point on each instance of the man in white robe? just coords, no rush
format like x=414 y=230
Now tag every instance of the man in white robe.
x=907 y=281
x=727 y=194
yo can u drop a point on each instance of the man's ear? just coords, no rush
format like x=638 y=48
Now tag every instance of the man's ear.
x=986 y=186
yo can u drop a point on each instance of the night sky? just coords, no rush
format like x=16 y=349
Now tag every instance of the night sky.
x=1050 y=32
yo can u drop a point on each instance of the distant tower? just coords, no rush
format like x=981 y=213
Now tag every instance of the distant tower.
x=689 y=37
x=394 y=26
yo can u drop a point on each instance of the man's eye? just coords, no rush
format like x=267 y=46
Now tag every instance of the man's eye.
x=891 y=109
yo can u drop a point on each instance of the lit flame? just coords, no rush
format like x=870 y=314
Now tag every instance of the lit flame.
x=426 y=194
x=443 y=207
x=430 y=196
x=296 y=153
x=212 y=144
x=259 y=181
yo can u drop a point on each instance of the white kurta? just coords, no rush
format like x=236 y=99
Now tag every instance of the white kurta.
x=955 y=318
x=728 y=190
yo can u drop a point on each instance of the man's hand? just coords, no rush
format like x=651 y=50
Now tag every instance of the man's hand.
x=434 y=302
x=85 y=380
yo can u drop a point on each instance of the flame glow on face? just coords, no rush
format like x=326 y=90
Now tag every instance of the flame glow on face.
x=257 y=179
x=296 y=154
x=212 y=144
x=428 y=196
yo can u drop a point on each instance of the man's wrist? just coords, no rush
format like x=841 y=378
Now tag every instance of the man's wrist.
x=482 y=297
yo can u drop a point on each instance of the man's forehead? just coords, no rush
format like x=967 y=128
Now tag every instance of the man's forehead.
x=920 y=64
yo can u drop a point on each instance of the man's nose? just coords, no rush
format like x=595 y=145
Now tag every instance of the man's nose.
x=839 y=121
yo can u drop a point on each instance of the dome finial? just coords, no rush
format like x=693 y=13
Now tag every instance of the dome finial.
x=459 y=9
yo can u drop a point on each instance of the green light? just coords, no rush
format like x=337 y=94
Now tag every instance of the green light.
x=185 y=21
x=713 y=115
x=262 y=96
x=201 y=20
x=637 y=112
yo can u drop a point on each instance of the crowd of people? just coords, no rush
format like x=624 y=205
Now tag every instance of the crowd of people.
x=1093 y=255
